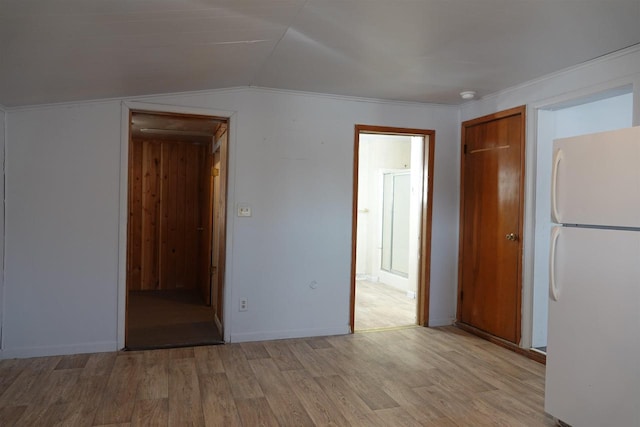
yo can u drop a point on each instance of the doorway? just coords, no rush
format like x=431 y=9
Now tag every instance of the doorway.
x=491 y=219
x=600 y=112
x=391 y=227
x=176 y=230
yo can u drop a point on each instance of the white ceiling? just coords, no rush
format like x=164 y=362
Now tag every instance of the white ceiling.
x=413 y=50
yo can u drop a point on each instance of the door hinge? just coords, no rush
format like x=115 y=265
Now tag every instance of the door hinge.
x=461 y=295
x=464 y=147
x=215 y=171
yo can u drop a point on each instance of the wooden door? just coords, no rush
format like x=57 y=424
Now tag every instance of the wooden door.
x=491 y=223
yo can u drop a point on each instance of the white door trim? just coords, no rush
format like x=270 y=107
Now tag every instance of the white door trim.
x=126 y=108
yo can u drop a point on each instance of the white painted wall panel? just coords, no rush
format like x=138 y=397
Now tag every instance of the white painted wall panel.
x=291 y=160
x=62 y=218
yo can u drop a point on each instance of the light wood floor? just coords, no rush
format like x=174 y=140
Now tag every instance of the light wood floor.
x=382 y=306
x=407 y=377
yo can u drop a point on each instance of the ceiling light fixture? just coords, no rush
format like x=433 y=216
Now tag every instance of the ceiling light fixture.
x=468 y=94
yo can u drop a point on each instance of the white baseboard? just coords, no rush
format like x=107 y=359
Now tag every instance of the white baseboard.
x=293 y=333
x=441 y=322
x=24 y=352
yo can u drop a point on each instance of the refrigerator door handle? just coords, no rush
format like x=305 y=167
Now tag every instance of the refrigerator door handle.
x=553 y=290
x=555 y=215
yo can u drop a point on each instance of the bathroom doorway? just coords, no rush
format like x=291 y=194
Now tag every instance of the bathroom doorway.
x=392 y=227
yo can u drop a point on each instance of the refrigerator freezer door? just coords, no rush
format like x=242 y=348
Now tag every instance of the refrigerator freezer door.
x=596 y=179
x=593 y=348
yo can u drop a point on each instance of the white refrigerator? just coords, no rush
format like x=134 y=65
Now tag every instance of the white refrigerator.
x=593 y=347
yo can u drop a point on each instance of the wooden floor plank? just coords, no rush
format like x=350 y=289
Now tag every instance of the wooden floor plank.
x=73 y=361
x=208 y=360
x=11 y=414
x=99 y=364
x=283 y=356
x=218 y=405
x=281 y=398
x=151 y=412
x=27 y=388
x=398 y=417
x=10 y=369
x=256 y=412
x=312 y=361
x=184 y=394
x=415 y=376
x=347 y=401
x=242 y=380
x=318 y=405
x=154 y=376
x=119 y=396
x=254 y=350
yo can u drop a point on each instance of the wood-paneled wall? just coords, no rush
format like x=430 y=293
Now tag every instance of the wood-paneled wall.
x=167 y=214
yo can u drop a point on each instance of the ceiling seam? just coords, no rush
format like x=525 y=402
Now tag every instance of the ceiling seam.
x=261 y=68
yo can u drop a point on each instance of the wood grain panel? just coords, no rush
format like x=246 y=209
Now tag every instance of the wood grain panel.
x=192 y=229
x=151 y=203
x=282 y=399
x=184 y=393
x=118 y=398
x=169 y=220
x=134 y=241
x=150 y=413
x=470 y=381
x=313 y=398
x=218 y=404
x=256 y=412
x=165 y=215
x=491 y=208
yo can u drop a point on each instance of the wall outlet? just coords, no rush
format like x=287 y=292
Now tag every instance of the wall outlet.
x=244 y=210
x=244 y=304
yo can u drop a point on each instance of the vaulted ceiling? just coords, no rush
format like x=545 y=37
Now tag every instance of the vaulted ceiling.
x=412 y=50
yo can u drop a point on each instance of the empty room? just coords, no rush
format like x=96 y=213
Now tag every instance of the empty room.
x=312 y=212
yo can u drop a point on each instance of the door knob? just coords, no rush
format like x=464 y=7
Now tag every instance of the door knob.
x=512 y=236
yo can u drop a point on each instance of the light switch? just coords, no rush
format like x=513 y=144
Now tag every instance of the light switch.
x=244 y=210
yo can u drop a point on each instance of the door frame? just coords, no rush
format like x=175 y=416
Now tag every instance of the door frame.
x=424 y=256
x=126 y=108
x=521 y=110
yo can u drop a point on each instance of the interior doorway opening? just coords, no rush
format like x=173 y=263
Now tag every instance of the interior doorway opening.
x=600 y=112
x=176 y=230
x=391 y=227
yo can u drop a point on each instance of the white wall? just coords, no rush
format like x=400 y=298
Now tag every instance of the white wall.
x=291 y=159
x=615 y=71
x=62 y=219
